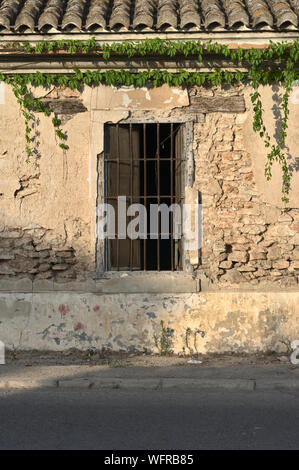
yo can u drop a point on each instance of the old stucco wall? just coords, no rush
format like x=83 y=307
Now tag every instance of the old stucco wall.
x=48 y=229
x=42 y=223
x=248 y=239
x=272 y=99
x=231 y=321
x=48 y=206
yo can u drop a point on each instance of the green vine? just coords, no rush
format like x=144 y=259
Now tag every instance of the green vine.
x=275 y=63
x=164 y=342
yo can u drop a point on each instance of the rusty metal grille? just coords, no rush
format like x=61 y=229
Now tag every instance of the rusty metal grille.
x=144 y=163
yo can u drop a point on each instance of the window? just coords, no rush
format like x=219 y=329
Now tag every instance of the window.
x=143 y=163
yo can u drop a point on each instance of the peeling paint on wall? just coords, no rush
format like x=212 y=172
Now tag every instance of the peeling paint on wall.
x=11 y=308
x=239 y=322
x=247 y=241
x=161 y=98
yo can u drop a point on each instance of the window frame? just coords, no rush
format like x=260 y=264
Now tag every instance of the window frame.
x=187 y=180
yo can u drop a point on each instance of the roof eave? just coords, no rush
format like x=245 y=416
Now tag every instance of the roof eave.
x=240 y=38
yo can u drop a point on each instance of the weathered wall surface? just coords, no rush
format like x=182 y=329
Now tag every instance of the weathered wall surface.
x=247 y=237
x=47 y=206
x=48 y=232
x=234 y=321
x=44 y=204
x=272 y=100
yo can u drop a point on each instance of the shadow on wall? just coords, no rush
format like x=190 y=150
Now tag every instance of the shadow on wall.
x=272 y=100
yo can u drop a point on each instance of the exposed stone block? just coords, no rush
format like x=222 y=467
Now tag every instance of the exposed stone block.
x=219 y=104
x=219 y=247
x=295 y=264
x=65 y=106
x=10 y=234
x=233 y=276
x=60 y=267
x=254 y=229
x=257 y=255
x=281 y=264
x=6 y=256
x=274 y=253
x=238 y=256
x=226 y=264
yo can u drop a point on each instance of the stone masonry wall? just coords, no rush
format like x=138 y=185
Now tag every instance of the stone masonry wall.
x=46 y=215
x=24 y=253
x=246 y=241
x=44 y=203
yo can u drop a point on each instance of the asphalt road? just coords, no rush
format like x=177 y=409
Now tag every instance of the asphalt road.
x=118 y=420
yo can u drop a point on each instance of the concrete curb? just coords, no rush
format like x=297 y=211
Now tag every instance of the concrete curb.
x=204 y=384
x=30 y=384
x=182 y=384
x=277 y=384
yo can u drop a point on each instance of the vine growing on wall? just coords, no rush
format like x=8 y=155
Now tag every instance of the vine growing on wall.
x=275 y=63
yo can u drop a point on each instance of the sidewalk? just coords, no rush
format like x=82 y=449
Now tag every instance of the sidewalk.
x=151 y=374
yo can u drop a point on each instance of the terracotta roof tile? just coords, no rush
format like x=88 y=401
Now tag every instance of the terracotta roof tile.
x=213 y=13
x=260 y=13
x=189 y=14
x=283 y=13
x=236 y=13
x=157 y=15
x=167 y=14
x=52 y=14
x=29 y=14
x=8 y=12
x=144 y=14
x=73 y=17
x=121 y=14
x=295 y=6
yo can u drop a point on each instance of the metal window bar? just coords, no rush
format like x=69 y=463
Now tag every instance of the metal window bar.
x=118 y=191
x=171 y=195
x=131 y=190
x=144 y=188
x=121 y=156
x=158 y=177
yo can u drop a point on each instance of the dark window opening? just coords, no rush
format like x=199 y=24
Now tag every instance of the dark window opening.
x=144 y=163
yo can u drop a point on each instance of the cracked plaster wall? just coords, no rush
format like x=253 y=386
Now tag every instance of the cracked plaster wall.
x=47 y=231
x=48 y=206
x=230 y=321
